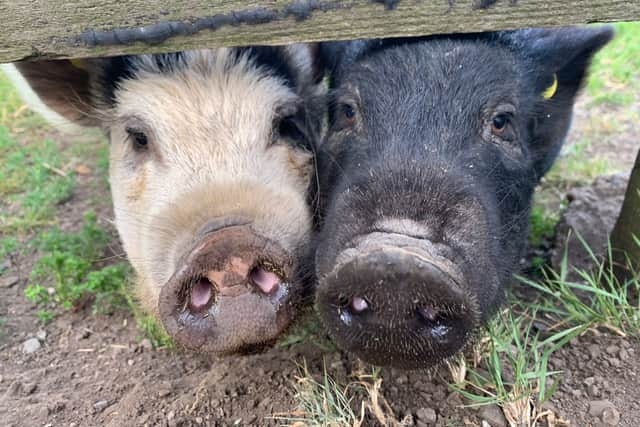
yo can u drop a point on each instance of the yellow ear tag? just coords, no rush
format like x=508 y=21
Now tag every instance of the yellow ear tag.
x=78 y=63
x=551 y=90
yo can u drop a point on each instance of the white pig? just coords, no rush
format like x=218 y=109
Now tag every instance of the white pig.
x=211 y=172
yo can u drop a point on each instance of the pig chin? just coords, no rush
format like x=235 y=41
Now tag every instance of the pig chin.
x=234 y=285
x=398 y=299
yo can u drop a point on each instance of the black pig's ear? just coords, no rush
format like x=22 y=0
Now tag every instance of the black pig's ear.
x=331 y=55
x=334 y=56
x=565 y=53
x=61 y=85
x=561 y=60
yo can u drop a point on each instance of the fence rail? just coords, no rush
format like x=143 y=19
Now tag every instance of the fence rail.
x=63 y=29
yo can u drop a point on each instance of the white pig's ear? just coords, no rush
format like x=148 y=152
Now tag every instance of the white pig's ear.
x=58 y=89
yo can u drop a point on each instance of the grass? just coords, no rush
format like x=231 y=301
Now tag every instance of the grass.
x=516 y=374
x=322 y=403
x=8 y=245
x=596 y=300
x=327 y=403
x=542 y=225
x=36 y=177
x=308 y=329
x=614 y=74
x=576 y=165
x=13 y=112
x=151 y=328
x=68 y=273
x=31 y=183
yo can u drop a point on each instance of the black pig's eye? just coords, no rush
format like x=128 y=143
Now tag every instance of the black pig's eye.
x=138 y=138
x=348 y=114
x=499 y=124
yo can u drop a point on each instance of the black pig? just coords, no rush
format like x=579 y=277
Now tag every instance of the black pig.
x=434 y=148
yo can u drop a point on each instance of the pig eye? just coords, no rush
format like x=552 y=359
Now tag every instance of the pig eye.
x=345 y=116
x=138 y=138
x=499 y=124
x=349 y=114
x=499 y=127
x=288 y=128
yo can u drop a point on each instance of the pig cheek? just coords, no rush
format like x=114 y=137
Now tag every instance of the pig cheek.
x=127 y=188
x=468 y=230
x=300 y=163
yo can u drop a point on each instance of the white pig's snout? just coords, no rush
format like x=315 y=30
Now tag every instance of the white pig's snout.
x=230 y=290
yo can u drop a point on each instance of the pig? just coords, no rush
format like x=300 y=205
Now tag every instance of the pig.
x=211 y=160
x=433 y=151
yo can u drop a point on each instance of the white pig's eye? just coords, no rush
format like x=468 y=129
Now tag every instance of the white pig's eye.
x=288 y=128
x=138 y=138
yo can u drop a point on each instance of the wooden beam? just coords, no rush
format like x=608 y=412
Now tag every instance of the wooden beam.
x=64 y=29
x=626 y=232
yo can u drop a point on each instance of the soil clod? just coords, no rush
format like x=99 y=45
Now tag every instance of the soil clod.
x=8 y=281
x=426 y=415
x=31 y=346
x=493 y=415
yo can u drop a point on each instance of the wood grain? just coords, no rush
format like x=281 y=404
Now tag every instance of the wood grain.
x=63 y=29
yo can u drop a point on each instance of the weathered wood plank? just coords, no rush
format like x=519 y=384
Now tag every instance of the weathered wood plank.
x=60 y=28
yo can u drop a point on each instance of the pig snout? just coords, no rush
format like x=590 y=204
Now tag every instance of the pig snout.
x=229 y=291
x=397 y=300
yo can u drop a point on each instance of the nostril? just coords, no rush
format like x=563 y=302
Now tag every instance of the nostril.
x=266 y=281
x=358 y=305
x=430 y=314
x=354 y=305
x=201 y=294
x=439 y=324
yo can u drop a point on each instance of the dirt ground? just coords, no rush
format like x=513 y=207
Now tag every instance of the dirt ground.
x=89 y=370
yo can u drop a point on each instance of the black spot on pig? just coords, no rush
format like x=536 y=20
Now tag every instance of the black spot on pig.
x=112 y=71
x=434 y=148
x=275 y=60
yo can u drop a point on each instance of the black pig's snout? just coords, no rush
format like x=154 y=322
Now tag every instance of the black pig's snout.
x=397 y=306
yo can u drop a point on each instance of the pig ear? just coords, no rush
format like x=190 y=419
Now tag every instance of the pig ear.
x=305 y=56
x=567 y=53
x=62 y=86
x=562 y=58
x=333 y=56
x=317 y=67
